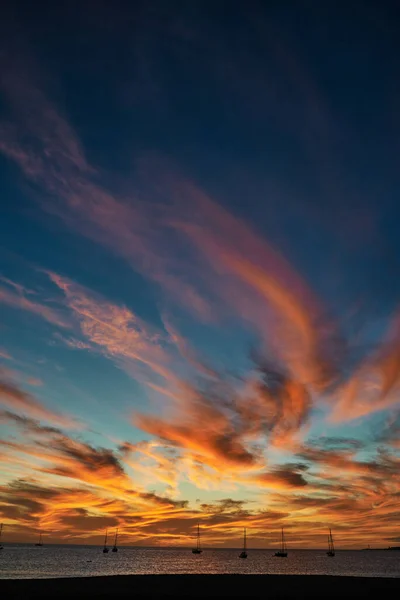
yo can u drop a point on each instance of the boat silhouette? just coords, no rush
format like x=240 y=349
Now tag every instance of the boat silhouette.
x=282 y=553
x=115 y=547
x=105 y=549
x=197 y=549
x=331 y=547
x=243 y=553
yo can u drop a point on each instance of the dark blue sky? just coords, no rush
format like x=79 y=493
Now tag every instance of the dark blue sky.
x=286 y=112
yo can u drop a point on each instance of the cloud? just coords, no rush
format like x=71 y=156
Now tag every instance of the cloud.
x=344 y=461
x=163 y=501
x=64 y=456
x=115 y=329
x=336 y=443
x=206 y=426
x=54 y=159
x=282 y=478
x=237 y=273
x=24 y=501
x=154 y=460
x=4 y=354
x=32 y=426
x=223 y=427
x=276 y=406
x=88 y=523
x=96 y=466
x=17 y=399
x=374 y=385
x=390 y=433
x=218 y=430
x=256 y=281
x=226 y=505
x=81 y=461
x=187 y=352
x=17 y=300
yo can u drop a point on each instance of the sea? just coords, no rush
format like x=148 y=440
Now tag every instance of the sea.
x=21 y=561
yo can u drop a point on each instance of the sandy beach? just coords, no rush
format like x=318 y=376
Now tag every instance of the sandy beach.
x=203 y=586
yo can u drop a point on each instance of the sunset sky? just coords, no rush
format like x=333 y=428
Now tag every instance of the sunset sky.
x=199 y=272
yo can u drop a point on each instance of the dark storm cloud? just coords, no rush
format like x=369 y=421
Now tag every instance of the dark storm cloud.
x=88 y=522
x=16 y=399
x=337 y=443
x=26 y=501
x=163 y=501
x=90 y=458
x=282 y=478
x=29 y=425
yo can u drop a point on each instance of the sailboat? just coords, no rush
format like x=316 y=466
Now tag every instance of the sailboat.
x=105 y=549
x=198 y=549
x=282 y=553
x=39 y=543
x=331 y=547
x=1 y=531
x=243 y=554
x=115 y=548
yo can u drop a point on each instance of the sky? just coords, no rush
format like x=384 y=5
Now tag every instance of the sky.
x=199 y=290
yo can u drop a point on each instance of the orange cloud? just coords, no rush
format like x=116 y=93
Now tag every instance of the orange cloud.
x=223 y=427
x=217 y=433
x=216 y=444
x=255 y=280
x=375 y=384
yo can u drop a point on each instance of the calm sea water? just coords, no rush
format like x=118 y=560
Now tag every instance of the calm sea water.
x=21 y=561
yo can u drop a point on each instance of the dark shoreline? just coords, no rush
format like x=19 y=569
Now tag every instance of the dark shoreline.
x=203 y=586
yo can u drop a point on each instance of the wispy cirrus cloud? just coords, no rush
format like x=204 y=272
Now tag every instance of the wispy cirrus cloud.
x=374 y=385
x=5 y=355
x=237 y=272
x=54 y=159
x=217 y=430
x=16 y=298
x=256 y=281
x=16 y=399
x=235 y=423
x=116 y=330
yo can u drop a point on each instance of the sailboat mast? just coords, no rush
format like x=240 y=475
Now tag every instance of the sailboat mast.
x=105 y=539
x=244 y=539
x=198 y=537
x=116 y=537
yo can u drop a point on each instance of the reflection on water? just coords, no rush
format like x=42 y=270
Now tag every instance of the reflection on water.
x=21 y=561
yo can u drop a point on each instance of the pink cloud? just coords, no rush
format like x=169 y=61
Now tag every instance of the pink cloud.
x=19 y=301
x=116 y=330
x=4 y=354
